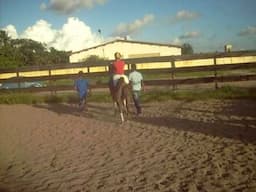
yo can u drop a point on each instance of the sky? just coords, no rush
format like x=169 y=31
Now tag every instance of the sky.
x=78 y=24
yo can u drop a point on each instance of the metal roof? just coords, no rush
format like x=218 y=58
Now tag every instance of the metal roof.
x=127 y=41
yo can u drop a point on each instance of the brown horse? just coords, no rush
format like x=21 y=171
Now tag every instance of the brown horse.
x=120 y=95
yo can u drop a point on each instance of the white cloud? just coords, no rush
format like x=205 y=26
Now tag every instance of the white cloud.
x=73 y=36
x=68 y=6
x=41 y=31
x=11 y=31
x=251 y=30
x=177 y=41
x=189 y=35
x=184 y=15
x=126 y=29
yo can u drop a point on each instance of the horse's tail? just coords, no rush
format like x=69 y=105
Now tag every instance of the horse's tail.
x=119 y=90
x=119 y=96
x=111 y=87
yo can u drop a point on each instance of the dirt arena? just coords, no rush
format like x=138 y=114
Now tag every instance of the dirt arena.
x=175 y=146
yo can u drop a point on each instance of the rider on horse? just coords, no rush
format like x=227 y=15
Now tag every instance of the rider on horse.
x=119 y=85
x=118 y=69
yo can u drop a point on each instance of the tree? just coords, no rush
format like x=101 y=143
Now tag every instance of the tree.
x=58 y=57
x=26 y=52
x=4 y=39
x=7 y=52
x=187 y=49
x=93 y=60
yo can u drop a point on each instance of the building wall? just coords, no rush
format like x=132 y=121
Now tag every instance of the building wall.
x=127 y=49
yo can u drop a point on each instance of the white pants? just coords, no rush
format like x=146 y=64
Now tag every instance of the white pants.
x=116 y=77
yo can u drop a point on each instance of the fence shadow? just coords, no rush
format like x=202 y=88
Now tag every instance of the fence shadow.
x=60 y=108
x=236 y=121
x=104 y=112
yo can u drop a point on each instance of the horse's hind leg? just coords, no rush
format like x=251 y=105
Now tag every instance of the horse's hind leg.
x=126 y=107
x=115 y=106
x=121 y=109
x=122 y=116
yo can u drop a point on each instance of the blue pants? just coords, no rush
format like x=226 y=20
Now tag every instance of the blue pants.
x=82 y=100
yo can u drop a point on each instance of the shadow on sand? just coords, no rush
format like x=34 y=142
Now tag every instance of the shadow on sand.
x=60 y=108
x=237 y=121
x=104 y=112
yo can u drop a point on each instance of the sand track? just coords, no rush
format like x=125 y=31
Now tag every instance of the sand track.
x=173 y=146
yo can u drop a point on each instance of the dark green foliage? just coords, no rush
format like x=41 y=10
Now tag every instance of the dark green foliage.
x=26 y=52
x=187 y=49
x=93 y=60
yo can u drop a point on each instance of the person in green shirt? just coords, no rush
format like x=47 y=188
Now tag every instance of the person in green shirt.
x=136 y=82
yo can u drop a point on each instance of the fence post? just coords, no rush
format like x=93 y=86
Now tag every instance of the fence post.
x=18 y=76
x=215 y=73
x=51 y=82
x=174 y=86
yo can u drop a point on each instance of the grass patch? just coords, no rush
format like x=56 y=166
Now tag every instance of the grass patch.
x=100 y=97
x=19 y=98
x=227 y=92
x=53 y=99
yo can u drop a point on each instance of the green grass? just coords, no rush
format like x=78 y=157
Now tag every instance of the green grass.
x=19 y=98
x=68 y=82
x=226 y=92
x=197 y=74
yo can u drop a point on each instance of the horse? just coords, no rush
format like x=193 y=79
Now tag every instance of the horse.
x=120 y=96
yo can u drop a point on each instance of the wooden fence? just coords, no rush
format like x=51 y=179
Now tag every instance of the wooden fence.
x=172 y=65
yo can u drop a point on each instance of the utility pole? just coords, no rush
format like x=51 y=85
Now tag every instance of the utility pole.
x=101 y=42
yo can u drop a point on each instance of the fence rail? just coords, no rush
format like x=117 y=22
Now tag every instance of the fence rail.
x=162 y=82
x=173 y=65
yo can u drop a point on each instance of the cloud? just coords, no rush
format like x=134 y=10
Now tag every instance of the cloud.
x=11 y=31
x=251 y=30
x=126 y=29
x=190 y=35
x=41 y=31
x=68 y=6
x=177 y=41
x=184 y=15
x=73 y=36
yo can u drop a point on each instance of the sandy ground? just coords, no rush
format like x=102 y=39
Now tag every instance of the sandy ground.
x=175 y=146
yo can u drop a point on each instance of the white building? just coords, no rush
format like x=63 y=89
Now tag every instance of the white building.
x=128 y=49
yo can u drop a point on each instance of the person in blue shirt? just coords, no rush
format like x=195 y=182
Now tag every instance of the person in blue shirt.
x=82 y=88
x=136 y=82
